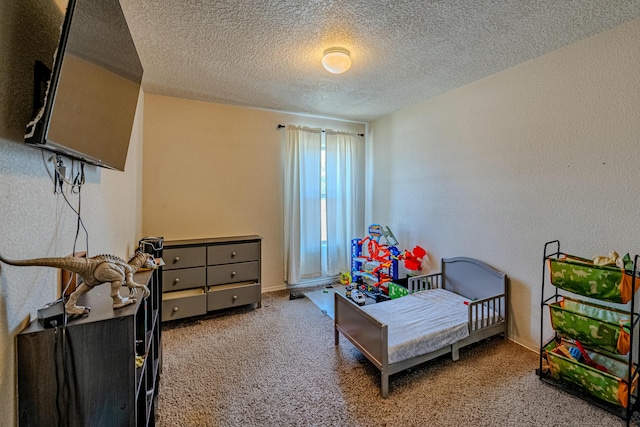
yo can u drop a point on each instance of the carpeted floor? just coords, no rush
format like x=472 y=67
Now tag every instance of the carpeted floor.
x=278 y=366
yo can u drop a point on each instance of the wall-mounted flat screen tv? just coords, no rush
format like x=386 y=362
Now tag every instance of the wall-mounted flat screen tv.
x=89 y=97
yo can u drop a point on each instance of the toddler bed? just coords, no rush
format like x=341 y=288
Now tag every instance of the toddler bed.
x=464 y=303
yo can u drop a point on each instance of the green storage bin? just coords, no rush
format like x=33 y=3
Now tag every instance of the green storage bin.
x=580 y=276
x=611 y=386
x=594 y=325
x=397 y=291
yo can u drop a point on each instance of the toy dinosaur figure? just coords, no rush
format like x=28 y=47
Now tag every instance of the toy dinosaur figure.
x=94 y=271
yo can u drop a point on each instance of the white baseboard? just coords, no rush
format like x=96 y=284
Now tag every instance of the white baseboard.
x=282 y=287
x=528 y=346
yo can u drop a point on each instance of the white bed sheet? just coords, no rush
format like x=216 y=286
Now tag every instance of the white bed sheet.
x=422 y=322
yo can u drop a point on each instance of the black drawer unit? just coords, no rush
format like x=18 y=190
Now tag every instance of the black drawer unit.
x=108 y=362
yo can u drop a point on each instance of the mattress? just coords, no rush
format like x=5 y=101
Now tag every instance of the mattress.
x=422 y=322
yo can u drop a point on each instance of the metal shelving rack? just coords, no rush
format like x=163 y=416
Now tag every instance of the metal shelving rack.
x=552 y=250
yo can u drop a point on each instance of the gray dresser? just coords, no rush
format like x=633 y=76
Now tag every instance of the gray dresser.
x=202 y=275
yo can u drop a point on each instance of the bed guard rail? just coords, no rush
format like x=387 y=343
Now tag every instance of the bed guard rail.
x=486 y=312
x=424 y=282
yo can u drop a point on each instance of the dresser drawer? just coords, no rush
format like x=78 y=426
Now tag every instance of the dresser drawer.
x=232 y=273
x=184 y=257
x=237 y=252
x=224 y=296
x=184 y=278
x=176 y=305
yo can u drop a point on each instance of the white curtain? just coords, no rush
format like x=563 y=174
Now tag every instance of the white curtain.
x=302 y=220
x=344 y=161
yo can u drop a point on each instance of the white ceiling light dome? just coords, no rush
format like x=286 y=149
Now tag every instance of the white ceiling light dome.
x=336 y=60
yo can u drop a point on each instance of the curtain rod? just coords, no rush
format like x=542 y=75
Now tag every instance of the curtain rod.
x=283 y=126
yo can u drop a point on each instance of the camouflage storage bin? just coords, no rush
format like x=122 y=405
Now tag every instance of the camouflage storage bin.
x=580 y=276
x=597 y=326
x=611 y=386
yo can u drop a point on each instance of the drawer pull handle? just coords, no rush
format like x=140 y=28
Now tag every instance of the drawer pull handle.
x=176 y=259
x=177 y=279
x=235 y=297
x=175 y=308
x=233 y=274
x=233 y=254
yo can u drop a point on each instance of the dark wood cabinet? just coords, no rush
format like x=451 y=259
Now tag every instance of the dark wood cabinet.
x=101 y=370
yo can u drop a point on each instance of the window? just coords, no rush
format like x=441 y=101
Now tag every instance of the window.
x=323 y=208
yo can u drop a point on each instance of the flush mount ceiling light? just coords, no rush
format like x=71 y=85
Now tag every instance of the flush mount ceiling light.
x=336 y=60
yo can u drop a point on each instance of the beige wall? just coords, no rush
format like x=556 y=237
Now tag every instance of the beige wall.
x=34 y=222
x=545 y=150
x=216 y=170
x=542 y=151
x=37 y=223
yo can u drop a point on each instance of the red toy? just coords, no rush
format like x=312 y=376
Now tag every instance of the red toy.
x=412 y=261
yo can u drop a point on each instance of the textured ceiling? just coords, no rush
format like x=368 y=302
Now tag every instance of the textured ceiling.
x=267 y=53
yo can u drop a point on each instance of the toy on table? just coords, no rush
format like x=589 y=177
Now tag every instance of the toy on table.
x=379 y=265
x=413 y=260
x=349 y=289
x=380 y=262
x=358 y=297
x=345 y=278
